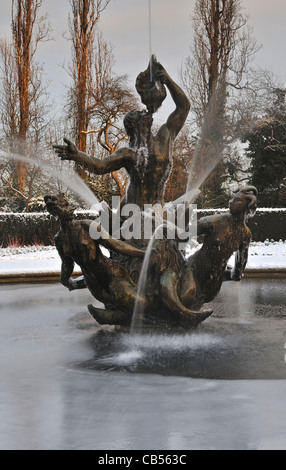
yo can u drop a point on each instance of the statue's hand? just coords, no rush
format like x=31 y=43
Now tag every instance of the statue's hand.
x=161 y=75
x=66 y=152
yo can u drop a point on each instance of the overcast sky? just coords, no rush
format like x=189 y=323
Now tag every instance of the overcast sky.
x=125 y=24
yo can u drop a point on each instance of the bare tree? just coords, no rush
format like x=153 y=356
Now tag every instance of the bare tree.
x=85 y=16
x=23 y=92
x=223 y=49
x=9 y=92
x=27 y=31
x=98 y=100
x=111 y=100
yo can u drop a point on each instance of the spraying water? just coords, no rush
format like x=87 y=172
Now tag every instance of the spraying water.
x=141 y=290
x=208 y=150
x=69 y=177
x=150 y=40
x=197 y=177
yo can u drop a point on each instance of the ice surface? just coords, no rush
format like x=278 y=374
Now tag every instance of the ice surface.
x=64 y=385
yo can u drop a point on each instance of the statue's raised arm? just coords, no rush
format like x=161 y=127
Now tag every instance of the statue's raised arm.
x=150 y=85
x=122 y=158
x=178 y=117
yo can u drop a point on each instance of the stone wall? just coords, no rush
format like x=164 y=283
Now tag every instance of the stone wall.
x=39 y=228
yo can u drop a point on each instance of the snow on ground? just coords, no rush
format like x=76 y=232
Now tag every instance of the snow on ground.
x=263 y=255
x=45 y=259
x=30 y=259
x=267 y=255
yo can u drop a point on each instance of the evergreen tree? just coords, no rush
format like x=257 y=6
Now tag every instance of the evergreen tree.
x=267 y=151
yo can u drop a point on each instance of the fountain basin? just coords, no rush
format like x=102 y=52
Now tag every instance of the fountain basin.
x=67 y=383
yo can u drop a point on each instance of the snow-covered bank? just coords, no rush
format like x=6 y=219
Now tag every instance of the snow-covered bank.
x=45 y=259
x=267 y=255
x=30 y=260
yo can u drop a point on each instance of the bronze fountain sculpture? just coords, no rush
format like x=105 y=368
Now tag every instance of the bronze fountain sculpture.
x=176 y=288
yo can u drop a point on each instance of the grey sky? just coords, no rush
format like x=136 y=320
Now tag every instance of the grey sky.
x=125 y=23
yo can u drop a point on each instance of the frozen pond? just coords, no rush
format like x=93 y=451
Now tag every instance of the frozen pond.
x=68 y=384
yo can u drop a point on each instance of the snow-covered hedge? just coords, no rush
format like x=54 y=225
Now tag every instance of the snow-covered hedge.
x=30 y=229
x=267 y=224
x=40 y=228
